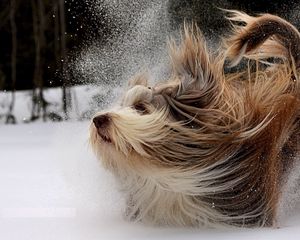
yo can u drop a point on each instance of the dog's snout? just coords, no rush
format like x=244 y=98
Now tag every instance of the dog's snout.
x=101 y=121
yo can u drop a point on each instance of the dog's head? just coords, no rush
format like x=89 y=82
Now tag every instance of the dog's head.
x=161 y=125
x=121 y=135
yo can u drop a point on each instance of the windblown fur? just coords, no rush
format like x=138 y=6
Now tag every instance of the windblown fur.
x=205 y=147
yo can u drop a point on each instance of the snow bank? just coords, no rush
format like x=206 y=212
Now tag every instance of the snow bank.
x=52 y=187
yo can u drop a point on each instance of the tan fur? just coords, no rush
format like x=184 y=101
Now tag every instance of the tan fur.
x=282 y=38
x=208 y=148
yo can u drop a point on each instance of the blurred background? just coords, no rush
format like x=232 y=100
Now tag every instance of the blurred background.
x=65 y=59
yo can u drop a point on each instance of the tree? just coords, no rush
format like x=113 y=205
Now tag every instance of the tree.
x=38 y=101
x=13 y=6
x=66 y=96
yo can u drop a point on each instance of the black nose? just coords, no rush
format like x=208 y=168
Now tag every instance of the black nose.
x=101 y=121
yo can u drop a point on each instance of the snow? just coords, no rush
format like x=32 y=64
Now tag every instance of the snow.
x=52 y=187
x=83 y=100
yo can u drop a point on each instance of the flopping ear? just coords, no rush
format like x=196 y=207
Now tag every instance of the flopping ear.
x=139 y=79
x=192 y=64
x=262 y=37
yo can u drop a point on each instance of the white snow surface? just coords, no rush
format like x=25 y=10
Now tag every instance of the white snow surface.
x=52 y=187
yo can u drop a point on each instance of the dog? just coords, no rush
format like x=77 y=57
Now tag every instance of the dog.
x=209 y=147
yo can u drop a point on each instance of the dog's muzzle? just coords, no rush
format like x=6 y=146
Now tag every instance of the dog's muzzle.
x=102 y=123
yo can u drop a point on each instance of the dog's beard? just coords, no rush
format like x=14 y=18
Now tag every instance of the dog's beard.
x=127 y=137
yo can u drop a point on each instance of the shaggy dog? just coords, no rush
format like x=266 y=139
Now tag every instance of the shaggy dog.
x=207 y=147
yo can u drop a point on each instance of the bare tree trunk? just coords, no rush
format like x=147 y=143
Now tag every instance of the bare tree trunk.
x=38 y=101
x=41 y=14
x=35 y=107
x=10 y=118
x=65 y=88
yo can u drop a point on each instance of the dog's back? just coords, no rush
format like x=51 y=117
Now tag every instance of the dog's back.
x=264 y=99
x=275 y=89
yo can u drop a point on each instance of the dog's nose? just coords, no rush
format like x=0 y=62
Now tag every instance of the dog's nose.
x=101 y=121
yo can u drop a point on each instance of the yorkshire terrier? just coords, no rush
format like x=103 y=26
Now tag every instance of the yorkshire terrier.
x=209 y=147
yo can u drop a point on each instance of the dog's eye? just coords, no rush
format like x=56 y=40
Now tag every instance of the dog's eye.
x=140 y=107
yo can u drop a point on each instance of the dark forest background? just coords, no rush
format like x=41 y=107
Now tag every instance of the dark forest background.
x=38 y=39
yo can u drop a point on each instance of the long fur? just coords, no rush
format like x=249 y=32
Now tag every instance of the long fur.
x=264 y=36
x=205 y=147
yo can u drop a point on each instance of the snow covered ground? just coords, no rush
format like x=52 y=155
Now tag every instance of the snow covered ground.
x=85 y=100
x=52 y=187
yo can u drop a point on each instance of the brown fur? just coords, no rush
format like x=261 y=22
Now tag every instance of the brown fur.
x=283 y=38
x=208 y=148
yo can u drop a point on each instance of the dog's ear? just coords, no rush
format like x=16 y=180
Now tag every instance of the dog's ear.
x=139 y=79
x=191 y=63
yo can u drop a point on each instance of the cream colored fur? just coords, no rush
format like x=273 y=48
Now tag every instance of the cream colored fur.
x=203 y=148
